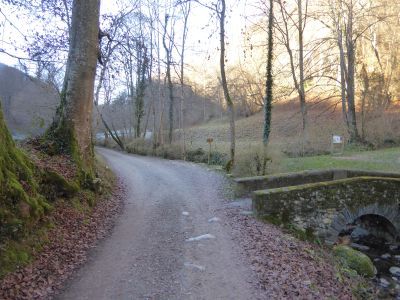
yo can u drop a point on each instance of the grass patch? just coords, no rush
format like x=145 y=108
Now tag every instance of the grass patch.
x=378 y=160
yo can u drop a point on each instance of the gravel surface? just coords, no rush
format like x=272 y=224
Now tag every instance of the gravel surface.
x=150 y=253
x=179 y=237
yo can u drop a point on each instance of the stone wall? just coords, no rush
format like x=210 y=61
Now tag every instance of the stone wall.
x=246 y=185
x=326 y=207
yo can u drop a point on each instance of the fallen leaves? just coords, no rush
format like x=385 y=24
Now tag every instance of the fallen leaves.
x=287 y=268
x=73 y=235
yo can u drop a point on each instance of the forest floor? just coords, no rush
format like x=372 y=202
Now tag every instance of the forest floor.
x=182 y=235
x=60 y=242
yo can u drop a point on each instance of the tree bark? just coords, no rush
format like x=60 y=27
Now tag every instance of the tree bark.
x=342 y=76
x=269 y=81
x=351 y=57
x=142 y=66
x=228 y=99
x=186 y=11
x=71 y=129
x=170 y=85
x=301 y=89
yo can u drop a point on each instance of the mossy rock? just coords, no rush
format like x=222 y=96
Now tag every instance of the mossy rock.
x=59 y=185
x=355 y=260
x=21 y=205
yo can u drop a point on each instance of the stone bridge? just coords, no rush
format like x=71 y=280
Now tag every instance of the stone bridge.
x=327 y=202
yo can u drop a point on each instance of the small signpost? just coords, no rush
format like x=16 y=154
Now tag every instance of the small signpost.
x=209 y=141
x=337 y=145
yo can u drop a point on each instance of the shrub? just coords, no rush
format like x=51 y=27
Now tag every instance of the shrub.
x=172 y=151
x=196 y=155
x=139 y=146
x=256 y=161
x=200 y=156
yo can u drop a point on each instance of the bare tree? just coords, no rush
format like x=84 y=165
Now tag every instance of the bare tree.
x=294 y=16
x=219 y=9
x=141 y=73
x=168 y=53
x=221 y=12
x=346 y=20
x=185 y=7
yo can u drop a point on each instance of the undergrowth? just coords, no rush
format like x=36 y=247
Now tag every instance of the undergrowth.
x=19 y=247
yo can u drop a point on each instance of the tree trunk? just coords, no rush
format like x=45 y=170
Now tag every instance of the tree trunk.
x=170 y=86
x=347 y=58
x=142 y=62
x=364 y=93
x=297 y=80
x=351 y=107
x=182 y=106
x=342 y=77
x=71 y=129
x=228 y=99
x=301 y=90
x=269 y=81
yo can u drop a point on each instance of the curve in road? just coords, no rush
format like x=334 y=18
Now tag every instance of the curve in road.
x=168 y=243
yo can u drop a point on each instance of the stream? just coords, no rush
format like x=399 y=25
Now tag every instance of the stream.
x=376 y=237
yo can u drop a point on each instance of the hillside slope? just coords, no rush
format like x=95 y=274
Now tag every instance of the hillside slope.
x=28 y=103
x=325 y=119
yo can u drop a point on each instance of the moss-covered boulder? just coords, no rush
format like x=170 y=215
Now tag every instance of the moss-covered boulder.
x=20 y=203
x=355 y=260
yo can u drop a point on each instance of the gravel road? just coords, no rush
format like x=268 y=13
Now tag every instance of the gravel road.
x=166 y=244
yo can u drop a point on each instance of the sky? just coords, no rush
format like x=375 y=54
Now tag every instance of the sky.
x=202 y=42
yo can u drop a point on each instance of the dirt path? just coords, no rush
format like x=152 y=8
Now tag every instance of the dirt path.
x=148 y=255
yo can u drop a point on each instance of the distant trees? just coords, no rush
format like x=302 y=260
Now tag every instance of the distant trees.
x=347 y=59
x=342 y=16
x=168 y=54
x=379 y=71
x=349 y=21
x=324 y=59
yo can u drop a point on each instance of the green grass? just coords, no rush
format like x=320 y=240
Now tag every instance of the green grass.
x=379 y=160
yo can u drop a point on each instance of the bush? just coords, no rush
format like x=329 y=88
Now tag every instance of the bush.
x=256 y=161
x=139 y=146
x=200 y=156
x=197 y=155
x=172 y=151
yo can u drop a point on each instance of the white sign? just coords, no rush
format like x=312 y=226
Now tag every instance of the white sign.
x=336 y=139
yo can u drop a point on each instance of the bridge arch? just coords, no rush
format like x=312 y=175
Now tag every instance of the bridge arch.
x=327 y=208
x=387 y=216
